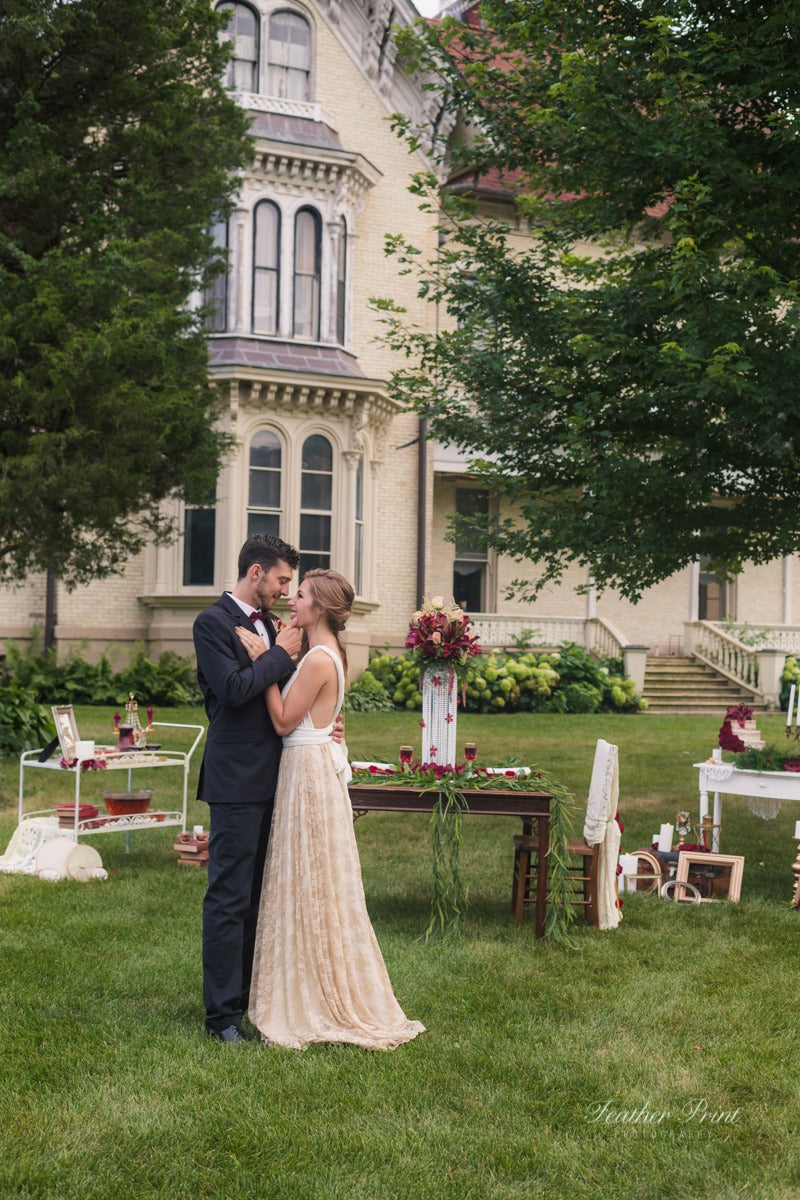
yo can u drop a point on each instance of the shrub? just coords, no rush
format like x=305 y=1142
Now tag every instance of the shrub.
x=368 y=695
x=170 y=681
x=74 y=680
x=25 y=724
x=563 y=680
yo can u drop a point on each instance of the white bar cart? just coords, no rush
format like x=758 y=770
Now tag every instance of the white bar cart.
x=126 y=760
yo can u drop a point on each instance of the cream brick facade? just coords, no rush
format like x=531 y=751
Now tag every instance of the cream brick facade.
x=336 y=153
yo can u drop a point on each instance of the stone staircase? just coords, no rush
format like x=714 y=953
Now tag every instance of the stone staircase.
x=673 y=684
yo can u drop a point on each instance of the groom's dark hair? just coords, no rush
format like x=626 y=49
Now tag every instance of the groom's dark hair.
x=267 y=550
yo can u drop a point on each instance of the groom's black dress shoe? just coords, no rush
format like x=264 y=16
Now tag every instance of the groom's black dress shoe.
x=231 y=1033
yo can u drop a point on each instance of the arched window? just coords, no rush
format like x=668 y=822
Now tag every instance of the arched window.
x=341 y=281
x=215 y=297
x=316 y=503
x=242 y=32
x=307 y=260
x=289 y=57
x=264 y=484
x=266 y=267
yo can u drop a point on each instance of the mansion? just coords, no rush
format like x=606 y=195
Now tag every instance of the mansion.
x=324 y=455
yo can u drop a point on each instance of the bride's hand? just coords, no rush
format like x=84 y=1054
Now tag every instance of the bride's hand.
x=253 y=644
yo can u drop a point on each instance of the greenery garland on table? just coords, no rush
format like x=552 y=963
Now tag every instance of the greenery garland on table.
x=452 y=786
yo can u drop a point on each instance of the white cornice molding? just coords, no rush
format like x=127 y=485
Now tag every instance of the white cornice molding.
x=366 y=400
x=313 y=171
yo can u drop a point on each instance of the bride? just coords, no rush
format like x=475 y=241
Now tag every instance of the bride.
x=318 y=973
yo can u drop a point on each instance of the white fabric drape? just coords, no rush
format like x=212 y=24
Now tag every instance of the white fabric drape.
x=601 y=829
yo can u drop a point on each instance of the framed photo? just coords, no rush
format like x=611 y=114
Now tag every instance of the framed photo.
x=716 y=876
x=66 y=729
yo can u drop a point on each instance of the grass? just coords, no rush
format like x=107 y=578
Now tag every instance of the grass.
x=682 y=1023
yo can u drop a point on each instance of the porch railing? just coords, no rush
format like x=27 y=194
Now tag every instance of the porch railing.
x=496 y=632
x=709 y=642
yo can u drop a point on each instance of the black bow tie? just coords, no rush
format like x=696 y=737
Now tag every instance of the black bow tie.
x=258 y=616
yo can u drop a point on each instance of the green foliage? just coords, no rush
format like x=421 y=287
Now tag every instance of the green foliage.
x=367 y=695
x=767 y=758
x=25 y=724
x=118 y=145
x=563 y=680
x=635 y=406
x=791 y=675
x=171 y=681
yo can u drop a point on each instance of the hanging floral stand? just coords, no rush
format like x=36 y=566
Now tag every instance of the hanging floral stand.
x=439 y=709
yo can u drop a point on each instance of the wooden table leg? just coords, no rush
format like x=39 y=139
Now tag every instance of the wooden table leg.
x=543 y=828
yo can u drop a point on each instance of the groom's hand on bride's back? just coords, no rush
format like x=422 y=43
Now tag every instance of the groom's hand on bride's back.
x=289 y=639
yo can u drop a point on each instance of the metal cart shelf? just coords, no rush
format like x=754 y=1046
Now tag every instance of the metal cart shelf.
x=130 y=761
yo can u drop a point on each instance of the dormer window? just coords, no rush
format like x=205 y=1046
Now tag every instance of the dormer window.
x=289 y=57
x=242 y=31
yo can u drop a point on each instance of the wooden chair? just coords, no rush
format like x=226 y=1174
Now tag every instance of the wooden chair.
x=592 y=859
x=583 y=876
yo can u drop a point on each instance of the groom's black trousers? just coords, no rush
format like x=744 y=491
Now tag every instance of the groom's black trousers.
x=239 y=834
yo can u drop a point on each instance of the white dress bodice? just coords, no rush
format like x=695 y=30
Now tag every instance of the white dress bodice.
x=306 y=733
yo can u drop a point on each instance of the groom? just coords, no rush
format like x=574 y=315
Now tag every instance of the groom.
x=239 y=769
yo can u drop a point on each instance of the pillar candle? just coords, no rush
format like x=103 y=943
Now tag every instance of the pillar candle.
x=665 y=838
x=797 y=830
x=791 y=706
x=629 y=864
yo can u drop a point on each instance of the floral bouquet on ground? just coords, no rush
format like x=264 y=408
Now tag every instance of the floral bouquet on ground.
x=444 y=633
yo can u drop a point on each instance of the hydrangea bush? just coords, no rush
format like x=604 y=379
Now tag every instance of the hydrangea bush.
x=566 y=680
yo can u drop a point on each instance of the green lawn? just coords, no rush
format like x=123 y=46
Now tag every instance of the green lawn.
x=683 y=1020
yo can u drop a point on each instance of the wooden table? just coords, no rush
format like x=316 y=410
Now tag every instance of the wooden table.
x=532 y=808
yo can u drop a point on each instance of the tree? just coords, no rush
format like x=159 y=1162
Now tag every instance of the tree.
x=627 y=380
x=117 y=148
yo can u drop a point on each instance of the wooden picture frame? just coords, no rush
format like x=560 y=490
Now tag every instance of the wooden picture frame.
x=67 y=730
x=716 y=876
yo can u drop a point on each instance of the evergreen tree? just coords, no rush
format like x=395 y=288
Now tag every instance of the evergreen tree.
x=118 y=144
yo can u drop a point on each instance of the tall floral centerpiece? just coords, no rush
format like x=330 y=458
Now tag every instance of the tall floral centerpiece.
x=442 y=640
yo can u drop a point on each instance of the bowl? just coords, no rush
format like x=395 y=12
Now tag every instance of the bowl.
x=122 y=804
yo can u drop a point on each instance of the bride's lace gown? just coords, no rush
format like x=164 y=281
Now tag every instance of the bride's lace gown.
x=318 y=974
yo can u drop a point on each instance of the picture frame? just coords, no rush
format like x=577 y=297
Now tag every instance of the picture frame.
x=67 y=730
x=716 y=876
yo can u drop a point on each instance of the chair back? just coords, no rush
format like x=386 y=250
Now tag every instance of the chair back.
x=603 y=792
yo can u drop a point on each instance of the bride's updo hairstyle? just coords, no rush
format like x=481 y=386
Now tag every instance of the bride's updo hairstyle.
x=334 y=596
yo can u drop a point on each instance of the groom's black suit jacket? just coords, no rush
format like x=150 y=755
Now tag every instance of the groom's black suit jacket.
x=242 y=753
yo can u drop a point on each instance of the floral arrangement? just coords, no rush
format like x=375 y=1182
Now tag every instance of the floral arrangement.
x=740 y=713
x=88 y=764
x=442 y=632
x=728 y=739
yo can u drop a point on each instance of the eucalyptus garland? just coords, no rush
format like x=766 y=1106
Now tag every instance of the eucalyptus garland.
x=452 y=786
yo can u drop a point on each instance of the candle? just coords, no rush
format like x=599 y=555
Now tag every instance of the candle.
x=716 y=754
x=665 y=838
x=197 y=829
x=630 y=865
x=791 y=705
x=797 y=830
